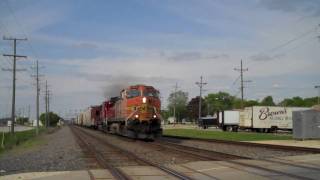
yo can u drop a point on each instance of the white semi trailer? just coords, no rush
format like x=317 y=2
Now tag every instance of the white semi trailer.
x=267 y=118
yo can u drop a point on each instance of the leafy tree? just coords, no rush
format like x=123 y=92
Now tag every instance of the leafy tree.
x=52 y=118
x=311 y=101
x=299 y=102
x=193 y=108
x=165 y=114
x=178 y=100
x=250 y=103
x=219 y=101
x=267 y=101
x=22 y=120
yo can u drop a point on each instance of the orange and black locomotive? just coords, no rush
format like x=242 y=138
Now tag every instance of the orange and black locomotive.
x=135 y=113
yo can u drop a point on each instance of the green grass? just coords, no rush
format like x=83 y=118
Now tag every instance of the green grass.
x=22 y=138
x=233 y=136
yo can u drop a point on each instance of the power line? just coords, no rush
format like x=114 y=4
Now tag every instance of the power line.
x=14 y=55
x=21 y=28
x=286 y=43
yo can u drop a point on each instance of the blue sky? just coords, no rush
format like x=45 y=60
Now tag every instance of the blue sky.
x=87 y=47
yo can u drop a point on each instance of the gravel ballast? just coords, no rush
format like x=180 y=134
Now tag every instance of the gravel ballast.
x=238 y=150
x=59 y=152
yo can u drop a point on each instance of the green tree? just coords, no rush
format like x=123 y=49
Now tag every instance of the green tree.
x=178 y=100
x=311 y=101
x=22 y=120
x=52 y=118
x=165 y=114
x=299 y=102
x=219 y=101
x=267 y=101
x=193 y=108
x=250 y=103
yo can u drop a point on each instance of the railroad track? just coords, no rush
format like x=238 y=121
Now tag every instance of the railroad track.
x=248 y=144
x=118 y=174
x=89 y=148
x=206 y=155
x=231 y=160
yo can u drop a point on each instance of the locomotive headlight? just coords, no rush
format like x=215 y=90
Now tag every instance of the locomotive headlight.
x=144 y=100
x=154 y=116
x=136 y=116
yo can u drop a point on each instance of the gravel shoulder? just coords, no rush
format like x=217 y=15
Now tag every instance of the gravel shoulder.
x=239 y=150
x=56 y=151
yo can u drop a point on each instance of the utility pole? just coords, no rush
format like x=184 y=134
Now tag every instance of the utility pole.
x=14 y=55
x=241 y=70
x=38 y=93
x=318 y=87
x=46 y=101
x=175 y=103
x=200 y=84
x=29 y=112
x=37 y=78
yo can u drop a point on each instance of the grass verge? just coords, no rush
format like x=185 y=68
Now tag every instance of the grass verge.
x=23 y=138
x=232 y=136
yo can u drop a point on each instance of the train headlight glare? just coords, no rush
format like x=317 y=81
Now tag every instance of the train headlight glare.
x=136 y=116
x=144 y=100
x=154 y=116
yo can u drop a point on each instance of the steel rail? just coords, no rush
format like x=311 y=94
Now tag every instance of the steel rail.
x=251 y=144
x=161 y=167
x=118 y=174
x=255 y=166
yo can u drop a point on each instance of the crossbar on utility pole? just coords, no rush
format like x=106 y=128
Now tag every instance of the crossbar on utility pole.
x=15 y=56
x=200 y=84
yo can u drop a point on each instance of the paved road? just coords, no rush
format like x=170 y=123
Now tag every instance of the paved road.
x=16 y=128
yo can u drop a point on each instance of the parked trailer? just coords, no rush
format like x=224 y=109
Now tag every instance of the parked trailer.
x=267 y=118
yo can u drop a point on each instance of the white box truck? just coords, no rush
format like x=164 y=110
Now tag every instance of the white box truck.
x=267 y=118
x=229 y=120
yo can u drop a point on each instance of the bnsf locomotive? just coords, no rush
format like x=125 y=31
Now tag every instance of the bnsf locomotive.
x=135 y=113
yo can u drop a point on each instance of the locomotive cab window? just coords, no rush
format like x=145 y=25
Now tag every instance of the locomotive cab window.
x=151 y=93
x=133 y=93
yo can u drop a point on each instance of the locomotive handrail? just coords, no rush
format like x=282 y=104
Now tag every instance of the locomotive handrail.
x=130 y=115
x=158 y=114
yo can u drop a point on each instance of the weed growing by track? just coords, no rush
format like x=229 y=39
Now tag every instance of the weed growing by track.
x=21 y=138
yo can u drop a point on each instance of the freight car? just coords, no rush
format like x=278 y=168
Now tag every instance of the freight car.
x=91 y=117
x=267 y=118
